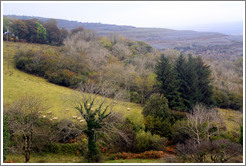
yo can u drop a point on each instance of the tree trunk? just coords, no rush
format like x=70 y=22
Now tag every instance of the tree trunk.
x=93 y=153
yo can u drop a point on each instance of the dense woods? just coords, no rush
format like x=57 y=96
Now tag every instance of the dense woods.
x=34 y=31
x=178 y=92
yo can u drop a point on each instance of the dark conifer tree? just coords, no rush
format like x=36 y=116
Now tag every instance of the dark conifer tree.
x=195 y=81
x=205 y=89
x=168 y=82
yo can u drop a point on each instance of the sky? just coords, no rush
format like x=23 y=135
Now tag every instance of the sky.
x=159 y=14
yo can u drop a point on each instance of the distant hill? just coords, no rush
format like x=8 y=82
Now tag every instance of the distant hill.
x=208 y=44
x=232 y=28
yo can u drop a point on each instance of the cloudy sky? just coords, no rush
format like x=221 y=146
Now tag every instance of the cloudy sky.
x=163 y=14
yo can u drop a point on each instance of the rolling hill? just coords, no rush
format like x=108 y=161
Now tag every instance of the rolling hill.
x=17 y=84
x=207 y=44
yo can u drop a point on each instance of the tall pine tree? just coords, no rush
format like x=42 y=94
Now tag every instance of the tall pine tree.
x=168 y=82
x=195 y=81
x=186 y=83
x=205 y=89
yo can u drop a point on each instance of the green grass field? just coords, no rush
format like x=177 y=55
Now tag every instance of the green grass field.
x=17 y=84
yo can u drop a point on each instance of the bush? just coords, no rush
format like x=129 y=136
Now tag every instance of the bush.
x=135 y=97
x=144 y=155
x=62 y=77
x=209 y=151
x=156 y=106
x=52 y=65
x=158 y=126
x=67 y=148
x=179 y=134
x=225 y=99
x=122 y=137
x=67 y=130
x=146 y=141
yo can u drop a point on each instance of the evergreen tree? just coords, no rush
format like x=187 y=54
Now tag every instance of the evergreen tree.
x=168 y=82
x=191 y=79
x=205 y=89
x=181 y=69
x=194 y=81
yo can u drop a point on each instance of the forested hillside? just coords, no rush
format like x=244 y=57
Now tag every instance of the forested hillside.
x=129 y=99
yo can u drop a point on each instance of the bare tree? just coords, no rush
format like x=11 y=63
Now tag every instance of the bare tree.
x=121 y=51
x=200 y=122
x=22 y=116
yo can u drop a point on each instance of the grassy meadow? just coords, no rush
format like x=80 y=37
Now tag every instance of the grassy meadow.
x=17 y=84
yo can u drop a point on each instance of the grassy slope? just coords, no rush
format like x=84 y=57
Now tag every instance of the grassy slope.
x=17 y=84
x=231 y=118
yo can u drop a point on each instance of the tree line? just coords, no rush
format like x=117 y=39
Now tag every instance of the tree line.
x=36 y=31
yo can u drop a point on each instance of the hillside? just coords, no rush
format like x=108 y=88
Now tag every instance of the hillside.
x=17 y=84
x=207 y=44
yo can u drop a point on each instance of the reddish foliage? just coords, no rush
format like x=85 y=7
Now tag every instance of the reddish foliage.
x=170 y=149
x=144 y=155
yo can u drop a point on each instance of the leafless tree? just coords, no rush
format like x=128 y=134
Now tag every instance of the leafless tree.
x=200 y=122
x=121 y=51
x=22 y=118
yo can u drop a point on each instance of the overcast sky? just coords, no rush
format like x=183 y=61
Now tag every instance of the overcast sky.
x=163 y=14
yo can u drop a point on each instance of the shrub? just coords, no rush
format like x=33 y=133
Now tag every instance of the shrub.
x=67 y=148
x=209 y=151
x=146 y=141
x=52 y=65
x=233 y=136
x=156 y=106
x=144 y=155
x=67 y=130
x=158 y=125
x=123 y=134
x=135 y=97
x=179 y=134
x=61 y=77
x=225 y=99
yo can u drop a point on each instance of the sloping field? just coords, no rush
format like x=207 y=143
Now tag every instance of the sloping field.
x=17 y=84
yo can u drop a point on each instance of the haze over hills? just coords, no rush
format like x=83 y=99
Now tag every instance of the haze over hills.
x=210 y=44
x=231 y=28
